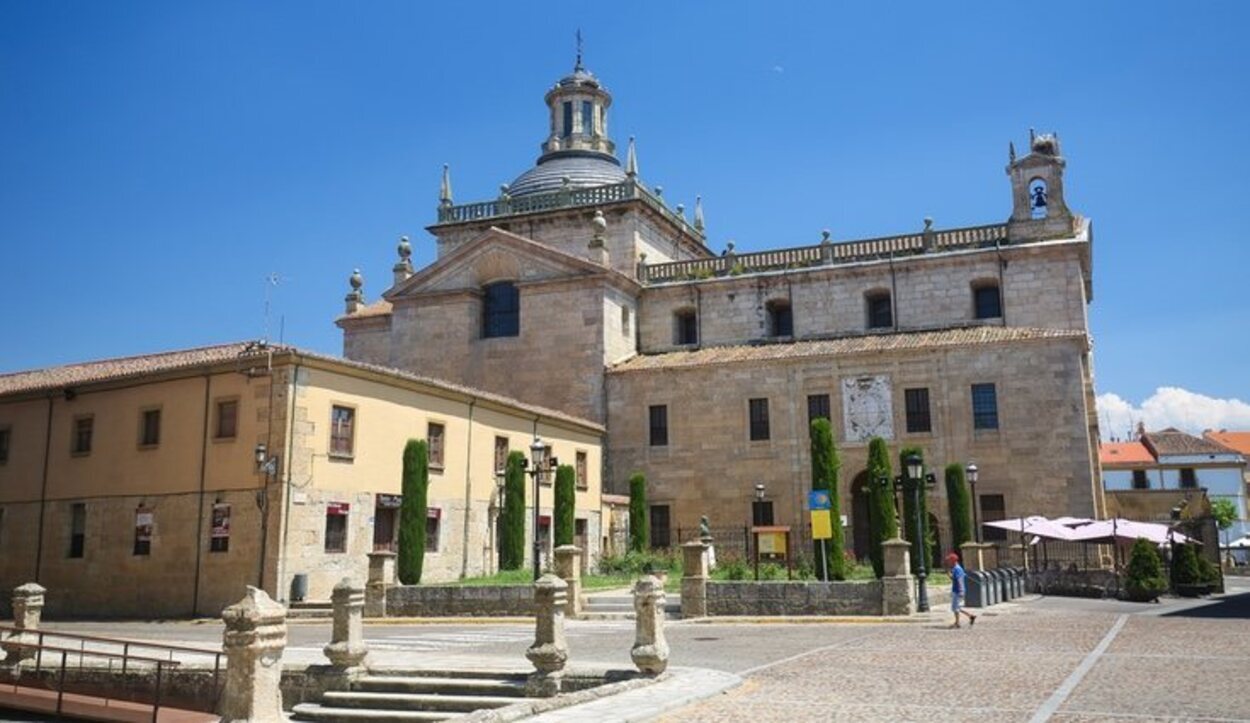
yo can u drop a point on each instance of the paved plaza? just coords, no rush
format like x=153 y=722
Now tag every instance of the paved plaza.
x=1058 y=659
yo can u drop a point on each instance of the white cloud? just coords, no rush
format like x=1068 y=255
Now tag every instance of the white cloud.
x=1170 y=407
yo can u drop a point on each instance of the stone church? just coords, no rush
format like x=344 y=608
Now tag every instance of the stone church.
x=582 y=289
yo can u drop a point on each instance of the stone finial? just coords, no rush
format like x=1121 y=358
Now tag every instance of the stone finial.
x=699 y=223
x=929 y=236
x=659 y=192
x=404 y=249
x=569 y=568
x=599 y=224
x=355 y=298
x=253 y=642
x=403 y=268
x=356 y=281
x=650 y=651
x=347 y=644
x=597 y=250
x=444 y=188
x=27 y=614
x=550 y=650
x=631 y=160
x=681 y=210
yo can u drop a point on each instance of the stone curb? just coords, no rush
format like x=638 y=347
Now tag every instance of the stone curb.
x=676 y=688
x=805 y=619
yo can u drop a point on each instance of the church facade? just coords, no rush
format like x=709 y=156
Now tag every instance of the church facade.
x=581 y=289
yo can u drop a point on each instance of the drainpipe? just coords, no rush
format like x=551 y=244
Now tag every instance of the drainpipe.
x=43 y=491
x=286 y=488
x=468 y=493
x=199 y=524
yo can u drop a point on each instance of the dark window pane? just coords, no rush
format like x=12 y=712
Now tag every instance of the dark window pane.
x=5 y=435
x=227 y=419
x=762 y=513
x=818 y=407
x=759 y=419
x=1188 y=478
x=661 y=533
x=984 y=407
x=501 y=453
x=1139 y=480
x=336 y=528
x=568 y=119
x=916 y=402
x=988 y=302
x=588 y=118
x=342 y=429
x=150 y=429
x=433 y=519
x=993 y=507
x=780 y=320
x=659 y=425
x=686 y=328
x=83 y=428
x=501 y=310
x=77 y=529
x=880 y=315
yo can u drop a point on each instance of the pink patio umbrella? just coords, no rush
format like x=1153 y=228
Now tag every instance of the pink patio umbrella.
x=1035 y=525
x=1122 y=529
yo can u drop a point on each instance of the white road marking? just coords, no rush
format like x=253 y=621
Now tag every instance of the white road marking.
x=1056 y=699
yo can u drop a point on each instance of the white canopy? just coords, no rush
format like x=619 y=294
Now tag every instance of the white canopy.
x=1034 y=525
x=1239 y=544
x=1122 y=529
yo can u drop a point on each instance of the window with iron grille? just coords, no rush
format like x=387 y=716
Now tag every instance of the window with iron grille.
x=817 y=408
x=987 y=302
x=83 y=428
x=150 y=428
x=685 y=327
x=1189 y=478
x=336 y=528
x=434 y=435
x=661 y=533
x=916 y=402
x=1139 y=480
x=758 y=419
x=433 y=523
x=501 y=310
x=659 y=425
x=880 y=312
x=762 y=513
x=342 y=431
x=227 y=419
x=993 y=508
x=77 y=528
x=583 y=481
x=984 y=406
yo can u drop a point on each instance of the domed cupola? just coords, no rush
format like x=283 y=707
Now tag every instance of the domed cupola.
x=578 y=147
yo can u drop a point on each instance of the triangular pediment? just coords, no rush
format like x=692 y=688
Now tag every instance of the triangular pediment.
x=496 y=255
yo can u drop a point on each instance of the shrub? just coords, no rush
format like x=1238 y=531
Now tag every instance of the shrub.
x=412 y=511
x=638 y=513
x=1185 y=570
x=565 y=493
x=1208 y=573
x=512 y=536
x=1144 y=580
x=637 y=563
x=825 y=464
x=882 y=521
x=734 y=569
x=958 y=501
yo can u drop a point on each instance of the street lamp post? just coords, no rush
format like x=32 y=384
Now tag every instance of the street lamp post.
x=538 y=467
x=914 y=471
x=501 y=476
x=267 y=465
x=971 y=471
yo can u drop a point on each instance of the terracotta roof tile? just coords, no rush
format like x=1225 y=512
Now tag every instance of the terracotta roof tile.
x=1117 y=453
x=845 y=346
x=1173 y=441
x=1237 y=441
x=381 y=307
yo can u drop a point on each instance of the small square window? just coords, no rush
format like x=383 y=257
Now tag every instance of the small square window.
x=984 y=406
x=83 y=428
x=435 y=436
x=227 y=426
x=987 y=301
x=342 y=431
x=150 y=428
x=1139 y=480
x=1189 y=478
x=758 y=418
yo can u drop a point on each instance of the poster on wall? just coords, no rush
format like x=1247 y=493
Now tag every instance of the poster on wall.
x=143 y=525
x=221 y=520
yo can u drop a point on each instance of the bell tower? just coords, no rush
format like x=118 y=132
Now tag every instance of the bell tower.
x=1038 y=209
x=579 y=115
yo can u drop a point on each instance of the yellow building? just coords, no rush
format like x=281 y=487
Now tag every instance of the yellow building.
x=160 y=485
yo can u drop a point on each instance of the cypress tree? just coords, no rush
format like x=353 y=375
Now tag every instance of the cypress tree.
x=909 y=513
x=638 y=532
x=512 y=537
x=958 y=500
x=825 y=465
x=412 y=511
x=565 y=504
x=882 y=520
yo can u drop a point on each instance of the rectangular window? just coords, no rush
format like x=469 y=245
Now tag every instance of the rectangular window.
x=501 y=454
x=342 y=431
x=568 y=119
x=219 y=530
x=686 y=328
x=780 y=319
x=988 y=302
x=143 y=531
x=336 y=526
x=659 y=425
x=759 y=419
x=880 y=313
x=984 y=406
x=1189 y=479
x=433 y=520
x=993 y=507
x=83 y=428
x=762 y=513
x=916 y=402
x=501 y=310
x=1139 y=480
x=435 y=437
x=661 y=532
x=548 y=477
x=6 y=435
x=150 y=428
x=588 y=118
x=77 y=528
x=227 y=426
x=817 y=408
x=583 y=481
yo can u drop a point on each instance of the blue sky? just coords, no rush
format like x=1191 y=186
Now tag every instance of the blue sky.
x=159 y=160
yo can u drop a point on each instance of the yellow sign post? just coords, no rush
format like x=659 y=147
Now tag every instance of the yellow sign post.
x=822 y=525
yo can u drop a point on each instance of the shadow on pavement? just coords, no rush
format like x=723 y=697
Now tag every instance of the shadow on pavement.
x=1228 y=606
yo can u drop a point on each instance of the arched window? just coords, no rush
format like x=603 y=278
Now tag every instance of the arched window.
x=880 y=311
x=685 y=327
x=780 y=318
x=987 y=302
x=501 y=310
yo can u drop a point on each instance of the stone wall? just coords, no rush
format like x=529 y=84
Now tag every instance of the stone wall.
x=459 y=600
x=794 y=598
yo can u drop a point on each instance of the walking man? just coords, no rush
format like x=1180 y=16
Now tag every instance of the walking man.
x=959 y=582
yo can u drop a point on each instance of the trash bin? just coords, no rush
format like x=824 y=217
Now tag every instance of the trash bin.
x=299 y=587
x=975 y=583
x=1005 y=581
x=1019 y=581
x=991 y=588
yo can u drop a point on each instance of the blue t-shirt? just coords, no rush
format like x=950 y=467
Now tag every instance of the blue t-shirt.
x=957 y=579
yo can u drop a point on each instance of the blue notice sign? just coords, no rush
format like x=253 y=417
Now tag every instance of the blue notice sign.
x=818 y=500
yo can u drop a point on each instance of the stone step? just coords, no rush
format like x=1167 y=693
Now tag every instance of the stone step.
x=413 y=701
x=310 y=613
x=442 y=685
x=496 y=674
x=317 y=712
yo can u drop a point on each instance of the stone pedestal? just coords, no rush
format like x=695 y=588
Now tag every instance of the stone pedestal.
x=989 y=556
x=253 y=642
x=972 y=555
x=550 y=650
x=346 y=650
x=27 y=613
x=694 y=580
x=650 y=651
x=381 y=577
x=897 y=590
x=569 y=568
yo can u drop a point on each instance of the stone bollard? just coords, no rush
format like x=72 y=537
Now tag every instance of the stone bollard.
x=970 y=554
x=650 y=651
x=569 y=568
x=253 y=642
x=694 y=580
x=898 y=596
x=381 y=577
x=347 y=650
x=27 y=613
x=550 y=650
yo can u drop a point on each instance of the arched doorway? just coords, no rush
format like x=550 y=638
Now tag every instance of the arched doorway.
x=861 y=523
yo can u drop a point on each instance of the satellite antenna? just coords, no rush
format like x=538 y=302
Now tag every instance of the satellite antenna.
x=271 y=283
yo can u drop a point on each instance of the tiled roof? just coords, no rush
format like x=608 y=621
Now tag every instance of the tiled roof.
x=381 y=307
x=1237 y=441
x=845 y=346
x=1117 y=453
x=1172 y=441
